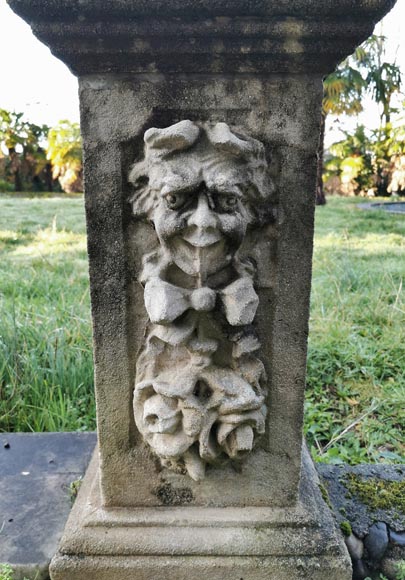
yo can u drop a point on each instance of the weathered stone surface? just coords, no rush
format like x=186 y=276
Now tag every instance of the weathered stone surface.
x=349 y=507
x=398 y=538
x=355 y=547
x=275 y=112
x=212 y=568
x=36 y=471
x=376 y=541
x=360 y=570
x=200 y=388
x=256 y=543
x=203 y=36
x=380 y=530
x=321 y=9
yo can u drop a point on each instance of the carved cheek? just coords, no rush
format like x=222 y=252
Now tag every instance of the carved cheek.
x=168 y=223
x=234 y=226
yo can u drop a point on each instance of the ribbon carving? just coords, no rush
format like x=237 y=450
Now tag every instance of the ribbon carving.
x=199 y=395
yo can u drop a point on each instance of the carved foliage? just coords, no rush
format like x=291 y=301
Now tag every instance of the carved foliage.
x=199 y=392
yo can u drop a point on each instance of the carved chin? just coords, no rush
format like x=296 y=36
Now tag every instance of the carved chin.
x=202 y=260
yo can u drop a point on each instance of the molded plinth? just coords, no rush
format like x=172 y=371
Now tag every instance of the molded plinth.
x=172 y=543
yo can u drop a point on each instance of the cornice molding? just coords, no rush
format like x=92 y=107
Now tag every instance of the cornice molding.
x=201 y=36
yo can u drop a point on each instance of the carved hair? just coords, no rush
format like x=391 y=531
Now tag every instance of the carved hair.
x=198 y=146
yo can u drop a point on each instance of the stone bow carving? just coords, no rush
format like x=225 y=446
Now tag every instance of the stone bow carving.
x=200 y=389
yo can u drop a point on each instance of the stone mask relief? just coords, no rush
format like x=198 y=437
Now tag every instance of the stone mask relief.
x=199 y=396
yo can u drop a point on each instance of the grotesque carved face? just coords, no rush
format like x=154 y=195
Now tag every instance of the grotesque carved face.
x=201 y=192
x=201 y=225
x=198 y=397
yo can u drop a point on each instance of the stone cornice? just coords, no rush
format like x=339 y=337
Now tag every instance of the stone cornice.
x=100 y=9
x=201 y=36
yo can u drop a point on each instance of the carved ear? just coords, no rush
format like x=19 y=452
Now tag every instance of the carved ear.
x=143 y=203
x=144 y=199
x=223 y=139
x=138 y=175
x=174 y=138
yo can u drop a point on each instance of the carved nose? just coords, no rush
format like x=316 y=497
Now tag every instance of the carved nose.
x=203 y=216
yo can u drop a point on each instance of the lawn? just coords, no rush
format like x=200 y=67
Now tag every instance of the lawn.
x=45 y=336
x=355 y=408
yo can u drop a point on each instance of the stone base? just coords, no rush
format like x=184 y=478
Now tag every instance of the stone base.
x=176 y=543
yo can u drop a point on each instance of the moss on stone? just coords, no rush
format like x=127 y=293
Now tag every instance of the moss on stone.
x=74 y=490
x=170 y=495
x=378 y=493
x=325 y=495
x=346 y=528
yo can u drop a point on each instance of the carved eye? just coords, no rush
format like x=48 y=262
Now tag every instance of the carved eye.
x=175 y=200
x=227 y=202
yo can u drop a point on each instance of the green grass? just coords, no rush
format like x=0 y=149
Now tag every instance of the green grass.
x=6 y=573
x=355 y=406
x=46 y=374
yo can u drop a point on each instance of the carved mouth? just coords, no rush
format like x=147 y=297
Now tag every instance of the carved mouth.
x=204 y=239
x=207 y=247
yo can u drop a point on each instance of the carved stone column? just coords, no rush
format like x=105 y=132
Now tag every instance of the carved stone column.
x=200 y=122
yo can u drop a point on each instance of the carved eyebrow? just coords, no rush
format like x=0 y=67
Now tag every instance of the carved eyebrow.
x=179 y=189
x=226 y=188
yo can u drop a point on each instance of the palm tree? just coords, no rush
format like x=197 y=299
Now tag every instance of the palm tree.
x=64 y=151
x=366 y=71
x=343 y=91
x=384 y=80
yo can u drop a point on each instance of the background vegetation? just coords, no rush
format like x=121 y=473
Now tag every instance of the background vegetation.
x=355 y=407
x=39 y=158
x=46 y=373
x=367 y=160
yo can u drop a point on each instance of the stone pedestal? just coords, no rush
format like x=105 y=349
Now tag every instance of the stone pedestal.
x=178 y=541
x=200 y=123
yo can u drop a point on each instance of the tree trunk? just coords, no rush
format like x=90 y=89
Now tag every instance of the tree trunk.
x=15 y=164
x=48 y=177
x=320 y=198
